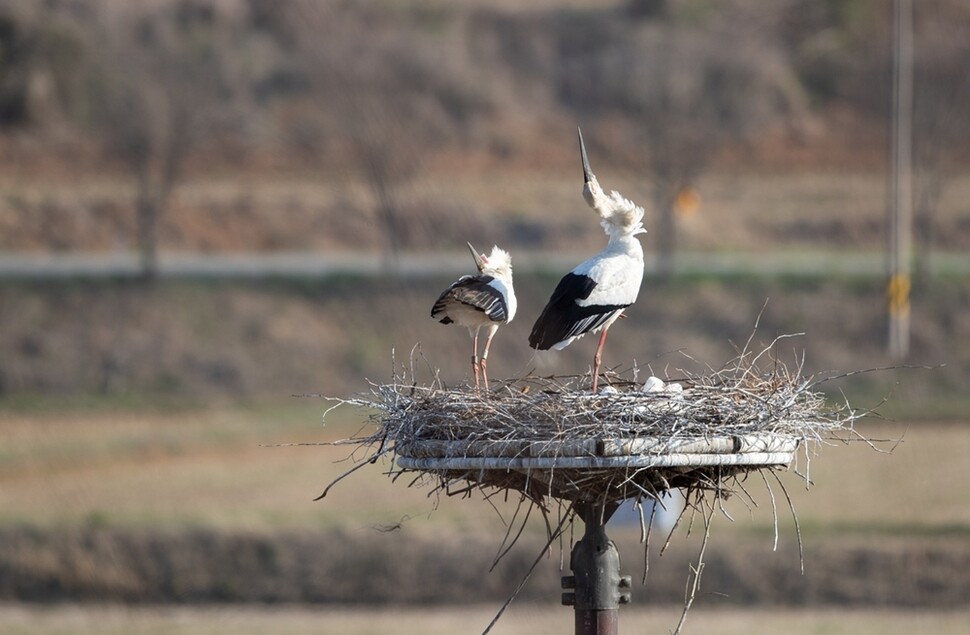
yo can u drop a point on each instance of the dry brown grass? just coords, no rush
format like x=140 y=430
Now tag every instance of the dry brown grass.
x=750 y=213
x=119 y=471
x=207 y=467
x=522 y=620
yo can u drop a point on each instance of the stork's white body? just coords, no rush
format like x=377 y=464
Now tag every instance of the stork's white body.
x=594 y=294
x=474 y=316
x=474 y=301
x=617 y=272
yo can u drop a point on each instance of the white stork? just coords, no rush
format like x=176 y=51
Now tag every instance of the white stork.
x=483 y=300
x=593 y=295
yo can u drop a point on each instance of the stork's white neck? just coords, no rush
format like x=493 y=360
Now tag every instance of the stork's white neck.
x=502 y=273
x=624 y=242
x=619 y=216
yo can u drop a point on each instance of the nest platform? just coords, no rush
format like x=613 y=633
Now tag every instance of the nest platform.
x=552 y=437
x=598 y=469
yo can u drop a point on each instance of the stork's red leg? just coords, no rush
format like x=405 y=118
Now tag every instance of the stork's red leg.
x=484 y=361
x=475 y=357
x=598 y=358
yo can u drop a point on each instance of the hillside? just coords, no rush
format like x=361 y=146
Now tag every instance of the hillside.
x=417 y=125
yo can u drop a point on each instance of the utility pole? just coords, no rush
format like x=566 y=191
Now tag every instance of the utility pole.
x=901 y=181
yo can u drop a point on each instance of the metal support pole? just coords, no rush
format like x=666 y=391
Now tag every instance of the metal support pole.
x=595 y=563
x=901 y=188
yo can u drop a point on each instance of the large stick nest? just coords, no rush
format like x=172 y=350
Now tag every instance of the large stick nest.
x=550 y=437
x=592 y=447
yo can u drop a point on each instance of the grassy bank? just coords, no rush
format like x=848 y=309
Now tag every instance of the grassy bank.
x=203 y=341
x=192 y=506
x=445 y=567
x=522 y=619
x=213 y=468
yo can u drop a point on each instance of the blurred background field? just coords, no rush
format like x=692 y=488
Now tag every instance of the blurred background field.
x=144 y=470
x=540 y=620
x=209 y=206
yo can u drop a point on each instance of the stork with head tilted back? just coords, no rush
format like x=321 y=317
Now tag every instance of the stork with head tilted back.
x=593 y=295
x=476 y=301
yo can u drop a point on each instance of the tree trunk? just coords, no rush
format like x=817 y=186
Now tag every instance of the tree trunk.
x=146 y=212
x=927 y=202
x=387 y=214
x=666 y=236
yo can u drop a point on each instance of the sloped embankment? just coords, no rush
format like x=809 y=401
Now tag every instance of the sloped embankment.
x=369 y=567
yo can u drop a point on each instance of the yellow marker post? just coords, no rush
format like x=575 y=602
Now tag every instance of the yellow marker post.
x=897 y=294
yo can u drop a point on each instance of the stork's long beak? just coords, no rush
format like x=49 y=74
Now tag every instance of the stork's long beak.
x=587 y=171
x=477 y=256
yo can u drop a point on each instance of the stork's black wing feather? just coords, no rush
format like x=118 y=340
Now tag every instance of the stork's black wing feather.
x=563 y=318
x=474 y=292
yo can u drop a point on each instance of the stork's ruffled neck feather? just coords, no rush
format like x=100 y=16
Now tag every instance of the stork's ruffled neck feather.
x=498 y=264
x=620 y=216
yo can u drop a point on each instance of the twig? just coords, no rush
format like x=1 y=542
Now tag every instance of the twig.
x=503 y=549
x=798 y=530
x=695 y=578
x=349 y=472
x=527 y=575
x=646 y=543
x=774 y=509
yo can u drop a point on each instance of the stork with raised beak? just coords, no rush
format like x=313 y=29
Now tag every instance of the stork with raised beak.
x=594 y=294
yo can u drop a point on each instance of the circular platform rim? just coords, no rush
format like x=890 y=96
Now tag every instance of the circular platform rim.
x=747 y=459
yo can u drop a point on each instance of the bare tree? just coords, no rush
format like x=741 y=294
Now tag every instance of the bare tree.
x=941 y=127
x=697 y=87
x=383 y=89
x=161 y=90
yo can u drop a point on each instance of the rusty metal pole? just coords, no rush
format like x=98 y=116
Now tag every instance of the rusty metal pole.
x=599 y=590
x=900 y=180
